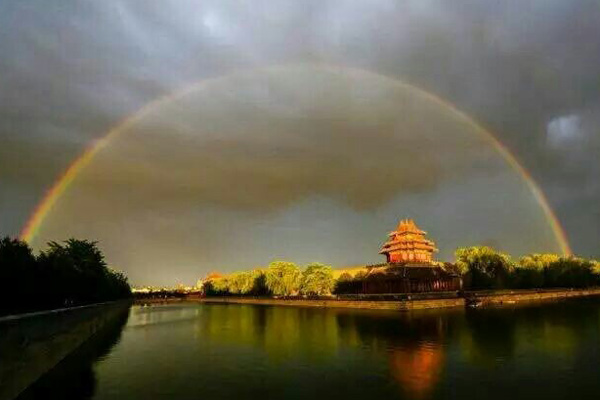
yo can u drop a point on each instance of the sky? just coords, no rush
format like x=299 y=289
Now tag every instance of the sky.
x=276 y=157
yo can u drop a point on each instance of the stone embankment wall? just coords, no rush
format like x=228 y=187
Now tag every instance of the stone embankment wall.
x=365 y=304
x=421 y=302
x=32 y=344
x=492 y=298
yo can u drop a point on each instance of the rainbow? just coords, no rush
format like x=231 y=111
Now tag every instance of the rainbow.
x=62 y=184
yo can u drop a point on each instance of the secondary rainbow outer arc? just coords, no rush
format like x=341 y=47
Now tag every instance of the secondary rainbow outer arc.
x=33 y=225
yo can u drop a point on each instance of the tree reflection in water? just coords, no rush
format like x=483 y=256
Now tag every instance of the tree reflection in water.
x=428 y=353
x=411 y=342
x=244 y=351
x=74 y=377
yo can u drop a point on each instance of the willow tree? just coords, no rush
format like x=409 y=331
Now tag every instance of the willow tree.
x=241 y=282
x=538 y=261
x=531 y=269
x=486 y=268
x=571 y=272
x=552 y=270
x=219 y=285
x=283 y=278
x=317 y=279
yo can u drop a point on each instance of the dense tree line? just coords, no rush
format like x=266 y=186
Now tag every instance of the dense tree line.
x=65 y=274
x=280 y=278
x=480 y=267
x=486 y=268
x=483 y=267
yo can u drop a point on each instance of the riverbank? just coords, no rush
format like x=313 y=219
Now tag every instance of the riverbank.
x=507 y=297
x=178 y=350
x=32 y=344
x=402 y=302
x=400 y=305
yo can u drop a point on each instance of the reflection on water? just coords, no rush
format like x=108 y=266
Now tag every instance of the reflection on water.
x=74 y=377
x=242 y=351
x=417 y=369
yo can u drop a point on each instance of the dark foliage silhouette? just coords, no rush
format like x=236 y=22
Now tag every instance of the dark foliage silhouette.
x=66 y=274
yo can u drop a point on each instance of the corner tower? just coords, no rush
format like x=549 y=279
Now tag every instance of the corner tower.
x=408 y=244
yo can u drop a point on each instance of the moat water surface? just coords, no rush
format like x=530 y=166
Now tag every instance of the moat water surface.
x=211 y=351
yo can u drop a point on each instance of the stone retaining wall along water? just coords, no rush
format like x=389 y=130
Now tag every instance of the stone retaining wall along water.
x=420 y=301
x=365 y=304
x=32 y=344
x=507 y=297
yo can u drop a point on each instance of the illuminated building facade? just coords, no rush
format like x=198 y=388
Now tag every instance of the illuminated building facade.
x=408 y=244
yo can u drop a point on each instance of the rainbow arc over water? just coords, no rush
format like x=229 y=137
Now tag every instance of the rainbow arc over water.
x=66 y=179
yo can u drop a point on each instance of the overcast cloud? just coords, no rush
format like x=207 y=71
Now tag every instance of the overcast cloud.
x=527 y=70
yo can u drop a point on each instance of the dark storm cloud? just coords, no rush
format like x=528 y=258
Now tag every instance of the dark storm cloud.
x=70 y=70
x=272 y=138
x=573 y=148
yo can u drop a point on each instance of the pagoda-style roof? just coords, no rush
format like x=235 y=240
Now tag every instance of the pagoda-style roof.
x=411 y=271
x=408 y=243
x=407 y=236
x=406 y=226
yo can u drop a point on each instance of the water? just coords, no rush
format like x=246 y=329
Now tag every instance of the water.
x=194 y=351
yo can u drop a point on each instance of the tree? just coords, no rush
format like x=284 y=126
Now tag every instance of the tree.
x=571 y=272
x=234 y=281
x=455 y=269
x=552 y=270
x=15 y=254
x=241 y=282
x=360 y=275
x=218 y=286
x=317 y=279
x=487 y=268
x=76 y=273
x=238 y=283
x=530 y=270
x=17 y=275
x=345 y=277
x=73 y=272
x=259 y=284
x=283 y=278
x=347 y=284
x=538 y=261
x=596 y=267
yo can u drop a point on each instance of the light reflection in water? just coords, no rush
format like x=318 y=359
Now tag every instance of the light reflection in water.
x=243 y=351
x=417 y=370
